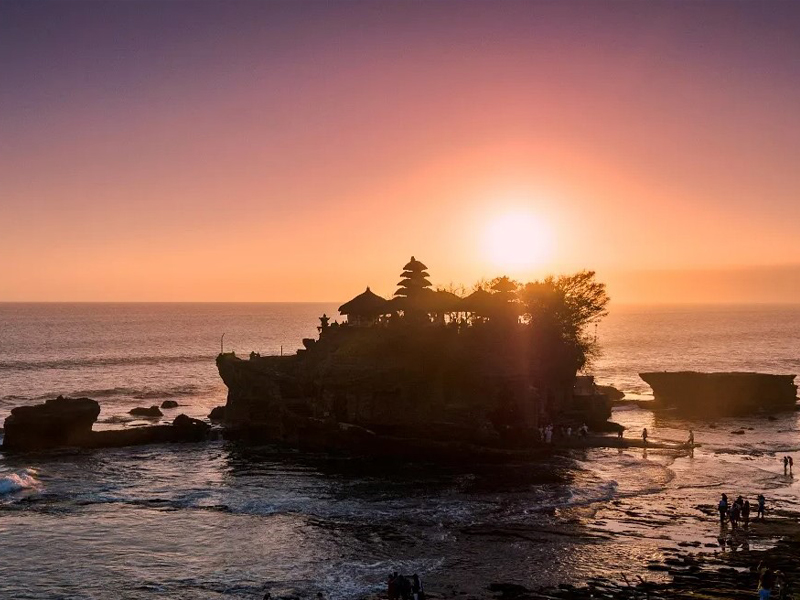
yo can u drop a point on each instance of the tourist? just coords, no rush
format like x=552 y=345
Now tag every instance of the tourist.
x=584 y=430
x=267 y=596
x=766 y=581
x=548 y=434
x=416 y=588
x=644 y=436
x=569 y=432
x=723 y=509
x=785 y=464
x=746 y=512
x=791 y=464
x=403 y=587
x=761 y=502
x=619 y=433
x=690 y=441
x=541 y=434
x=392 y=586
x=735 y=512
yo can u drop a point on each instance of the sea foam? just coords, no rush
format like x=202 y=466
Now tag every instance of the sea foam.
x=16 y=482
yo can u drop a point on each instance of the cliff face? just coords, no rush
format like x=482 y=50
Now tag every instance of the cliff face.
x=711 y=394
x=427 y=384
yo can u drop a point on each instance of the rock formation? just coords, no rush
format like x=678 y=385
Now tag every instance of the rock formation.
x=712 y=394
x=58 y=422
x=169 y=404
x=141 y=411
x=67 y=422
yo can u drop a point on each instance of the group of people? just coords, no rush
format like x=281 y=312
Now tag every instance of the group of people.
x=546 y=433
x=739 y=511
x=788 y=463
x=401 y=587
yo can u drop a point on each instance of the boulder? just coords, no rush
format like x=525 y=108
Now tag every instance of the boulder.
x=141 y=411
x=169 y=404
x=217 y=413
x=188 y=429
x=611 y=392
x=58 y=422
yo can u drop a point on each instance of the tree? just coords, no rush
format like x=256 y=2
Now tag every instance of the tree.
x=564 y=307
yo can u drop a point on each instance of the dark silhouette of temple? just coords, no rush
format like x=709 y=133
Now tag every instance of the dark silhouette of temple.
x=427 y=367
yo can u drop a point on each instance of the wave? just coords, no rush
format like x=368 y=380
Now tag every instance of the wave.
x=16 y=482
x=115 y=392
x=103 y=361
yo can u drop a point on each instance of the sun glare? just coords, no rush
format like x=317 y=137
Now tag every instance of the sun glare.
x=517 y=241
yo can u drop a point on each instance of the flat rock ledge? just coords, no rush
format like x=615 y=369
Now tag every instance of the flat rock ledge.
x=67 y=422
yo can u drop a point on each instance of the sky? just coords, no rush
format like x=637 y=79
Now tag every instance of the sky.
x=300 y=151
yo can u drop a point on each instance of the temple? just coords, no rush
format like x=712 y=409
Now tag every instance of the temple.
x=424 y=366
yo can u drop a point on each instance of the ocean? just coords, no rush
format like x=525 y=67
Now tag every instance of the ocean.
x=218 y=519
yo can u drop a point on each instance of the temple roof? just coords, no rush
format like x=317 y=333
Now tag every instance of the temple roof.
x=414 y=265
x=365 y=304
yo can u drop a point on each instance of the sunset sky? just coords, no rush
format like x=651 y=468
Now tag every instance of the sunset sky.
x=267 y=151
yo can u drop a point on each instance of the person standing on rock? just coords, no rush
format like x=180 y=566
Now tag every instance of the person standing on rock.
x=785 y=464
x=761 y=502
x=723 y=509
x=644 y=436
x=791 y=464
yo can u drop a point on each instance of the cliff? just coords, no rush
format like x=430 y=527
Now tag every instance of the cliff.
x=712 y=394
x=364 y=386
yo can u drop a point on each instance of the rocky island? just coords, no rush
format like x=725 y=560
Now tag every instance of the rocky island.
x=717 y=394
x=429 y=370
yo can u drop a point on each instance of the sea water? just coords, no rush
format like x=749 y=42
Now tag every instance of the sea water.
x=217 y=519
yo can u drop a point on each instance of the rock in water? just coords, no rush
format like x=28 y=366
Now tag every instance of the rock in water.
x=58 y=422
x=141 y=411
x=188 y=429
x=711 y=394
x=169 y=404
x=217 y=413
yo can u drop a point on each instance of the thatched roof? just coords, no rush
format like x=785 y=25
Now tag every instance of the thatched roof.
x=418 y=283
x=366 y=304
x=504 y=285
x=414 y=265
x=427 y=301
x=478 y=301
x=411 y=274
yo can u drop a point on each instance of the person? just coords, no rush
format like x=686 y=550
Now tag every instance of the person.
x=735 y=512
x=746 y=512
x=791 y=464
x=267 y=596
x=619 y=433
x=416 y=588
x=320 y=596
x=761 y=502
x=690 y=442
x=404 y=587
x=766 y=581
x=391 y=586
x=644 y=435
x=723 y=509
x=569 y=432
x=785 y=464
x=784 y=592
x=548 y=434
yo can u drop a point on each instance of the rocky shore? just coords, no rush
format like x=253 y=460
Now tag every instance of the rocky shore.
x=685 y=574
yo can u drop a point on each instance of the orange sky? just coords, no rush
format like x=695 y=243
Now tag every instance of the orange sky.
x=284 y=151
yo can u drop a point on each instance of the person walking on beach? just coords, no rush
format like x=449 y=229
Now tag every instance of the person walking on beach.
x=761 y=502
x=735 y=512
x=746 y=512
x=791 y=464
x=723 y=509
x=644 y=436
x=690 y=441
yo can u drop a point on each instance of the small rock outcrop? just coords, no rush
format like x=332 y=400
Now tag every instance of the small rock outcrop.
x=58 y=422
x=189 y=429
x=141 y=411
x=217 y=414
x=169 y=404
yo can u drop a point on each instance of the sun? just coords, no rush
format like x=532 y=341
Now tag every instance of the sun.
x=518 y=241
